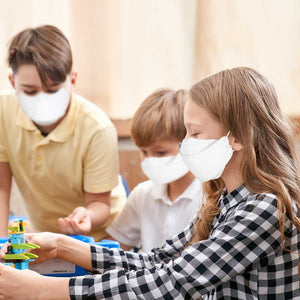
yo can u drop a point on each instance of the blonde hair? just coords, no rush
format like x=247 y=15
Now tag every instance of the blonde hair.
x=160 y=115
x=245 y=103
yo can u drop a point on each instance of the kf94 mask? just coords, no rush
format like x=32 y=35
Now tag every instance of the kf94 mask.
x=45 y=109
x=206 y=159
x=161 y=170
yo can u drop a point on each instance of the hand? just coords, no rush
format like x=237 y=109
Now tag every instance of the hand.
x=78 y=222
x=46 y=240
x=17 y=284
x=28 y=285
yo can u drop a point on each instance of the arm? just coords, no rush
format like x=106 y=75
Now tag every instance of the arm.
x=125 y=228
x=100 y=176
x=5 y=185
x=93 y=216
x=26 y=284
x=243 y=242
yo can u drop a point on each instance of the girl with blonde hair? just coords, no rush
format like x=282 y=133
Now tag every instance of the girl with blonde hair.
x=245 y=242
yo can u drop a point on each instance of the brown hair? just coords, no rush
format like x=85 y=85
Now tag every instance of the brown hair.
x=46 y=48
x=246 y=104
x=160 y=115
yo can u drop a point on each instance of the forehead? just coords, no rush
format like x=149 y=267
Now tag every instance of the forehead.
x=194 y=114
x=27 y=74
x=163 y=142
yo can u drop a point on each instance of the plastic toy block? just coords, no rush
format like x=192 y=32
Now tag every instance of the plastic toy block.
x=31 y=255
x=16 y=255
x=24 y=246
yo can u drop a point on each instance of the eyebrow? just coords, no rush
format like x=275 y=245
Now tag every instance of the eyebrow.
x=193 y=124
x=34 y=86
x=28 y=85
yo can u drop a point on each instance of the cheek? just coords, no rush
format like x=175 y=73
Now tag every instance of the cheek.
x=174 y=151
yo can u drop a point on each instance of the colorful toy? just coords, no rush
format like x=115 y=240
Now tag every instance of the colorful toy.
x=16 y=255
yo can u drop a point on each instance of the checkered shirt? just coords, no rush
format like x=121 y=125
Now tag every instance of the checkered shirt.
x=241 y=259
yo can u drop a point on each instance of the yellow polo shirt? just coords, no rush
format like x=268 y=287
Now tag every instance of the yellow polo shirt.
x=53 y=172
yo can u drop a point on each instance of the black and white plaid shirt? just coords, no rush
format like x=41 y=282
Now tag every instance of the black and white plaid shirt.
x=242 y=259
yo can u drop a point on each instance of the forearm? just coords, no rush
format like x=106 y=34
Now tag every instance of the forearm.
x=53 y=288
x=99 y=213
x=4 y=212
x=74 y=251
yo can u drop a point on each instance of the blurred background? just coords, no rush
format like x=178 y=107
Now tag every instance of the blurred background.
x=125 y=49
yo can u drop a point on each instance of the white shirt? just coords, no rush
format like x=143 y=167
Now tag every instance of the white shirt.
x=150 y=217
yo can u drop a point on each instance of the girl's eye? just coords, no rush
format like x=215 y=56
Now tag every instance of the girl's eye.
x=30 y=92
x=194 y=134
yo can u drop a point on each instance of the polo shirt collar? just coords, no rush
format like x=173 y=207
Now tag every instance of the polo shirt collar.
x=190 y=193
x=63 y=130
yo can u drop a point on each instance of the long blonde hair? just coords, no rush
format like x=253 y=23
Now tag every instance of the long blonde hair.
x=245 y=102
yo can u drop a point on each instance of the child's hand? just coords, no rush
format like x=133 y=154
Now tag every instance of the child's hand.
x=46 y=240
x=18 y=284
x=26 y=285
x=78 y=222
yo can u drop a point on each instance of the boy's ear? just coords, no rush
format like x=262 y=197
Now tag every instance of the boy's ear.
x=11 y=79
x=73 y=78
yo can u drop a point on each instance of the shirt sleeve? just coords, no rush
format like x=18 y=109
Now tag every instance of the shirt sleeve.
x=101 y=162
x=125 y=228
x=3 y=154
x=245 y=241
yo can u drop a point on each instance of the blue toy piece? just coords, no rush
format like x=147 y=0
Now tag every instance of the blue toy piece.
x=16 y=255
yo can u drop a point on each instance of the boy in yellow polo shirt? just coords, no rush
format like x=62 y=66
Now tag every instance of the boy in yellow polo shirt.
x=60 y=148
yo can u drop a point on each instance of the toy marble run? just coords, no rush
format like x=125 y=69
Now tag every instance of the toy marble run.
x=16 y=255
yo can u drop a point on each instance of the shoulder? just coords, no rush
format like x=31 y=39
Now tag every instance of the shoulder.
x=144 y=190
x=258 y=206
x=91 y=114
x=9 y=106
x=8 y=96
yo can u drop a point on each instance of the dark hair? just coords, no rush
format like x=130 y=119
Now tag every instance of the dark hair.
x=46 y=48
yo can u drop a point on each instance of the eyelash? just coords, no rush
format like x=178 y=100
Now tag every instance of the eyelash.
x=30 y=93
x=34 y=92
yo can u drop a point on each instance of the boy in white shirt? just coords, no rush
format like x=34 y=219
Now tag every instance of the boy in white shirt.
x=163 y=206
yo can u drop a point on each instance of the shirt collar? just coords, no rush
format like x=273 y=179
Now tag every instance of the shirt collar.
x=190 y=193
x=226 y=201
x=63 y=130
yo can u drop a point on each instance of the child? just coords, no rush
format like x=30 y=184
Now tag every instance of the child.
x=60 y=148
x=245 y=242
x=163 y=206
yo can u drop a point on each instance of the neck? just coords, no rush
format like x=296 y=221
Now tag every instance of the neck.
x=48 y=128
x=176 y=188
x=232 y=176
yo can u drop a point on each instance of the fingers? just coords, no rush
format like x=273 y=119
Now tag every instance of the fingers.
x=65 y=226
x=78 y=214
x=72 y=224
x=4 y=249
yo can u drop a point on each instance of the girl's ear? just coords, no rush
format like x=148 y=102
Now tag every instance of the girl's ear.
x=235 y=144
x=11 y=79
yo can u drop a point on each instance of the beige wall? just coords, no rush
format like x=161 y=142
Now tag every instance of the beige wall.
x=261 y=34
x=124 y=49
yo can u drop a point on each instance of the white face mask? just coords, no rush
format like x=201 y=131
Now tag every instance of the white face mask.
x=161 y=170
x=45 y=109
x=206 y=159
